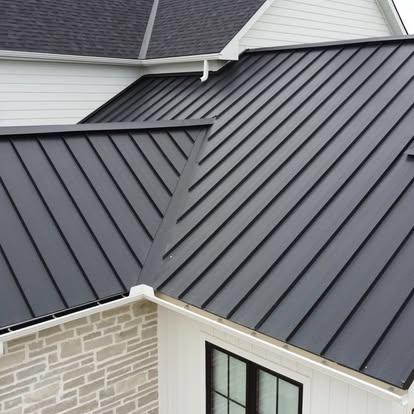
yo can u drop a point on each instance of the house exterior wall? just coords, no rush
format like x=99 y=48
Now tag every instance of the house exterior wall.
x=288 y=22
x=39 y=93
x=182 y=367
x=103 y=363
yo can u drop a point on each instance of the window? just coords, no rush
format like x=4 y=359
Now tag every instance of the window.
x=238 y=386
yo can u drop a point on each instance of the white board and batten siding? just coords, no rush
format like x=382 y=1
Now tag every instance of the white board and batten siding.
x=289 y=22
x=182 y=372
x=39 y=93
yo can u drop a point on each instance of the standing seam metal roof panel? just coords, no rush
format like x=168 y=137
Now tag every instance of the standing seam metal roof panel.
x=298 y=221
x=80 y=208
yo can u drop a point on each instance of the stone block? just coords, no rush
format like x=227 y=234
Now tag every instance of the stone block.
x=146 y=399
x=42 y=393
x=31 y=371
x=100 y=342
x=71 y=348
x=77 y=382
x=126 y=408
x=11 y=360
x=149 y=333
x=60 y=407
x=110 y=352
x=50 y=331
x=130 y=382
x=92 y=387
x=6 y=380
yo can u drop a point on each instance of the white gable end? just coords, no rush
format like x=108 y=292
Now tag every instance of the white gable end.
x=287 y=22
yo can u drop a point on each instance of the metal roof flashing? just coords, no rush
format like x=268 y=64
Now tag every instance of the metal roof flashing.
x=107 y=126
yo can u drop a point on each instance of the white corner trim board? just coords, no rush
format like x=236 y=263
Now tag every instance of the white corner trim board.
x=144 y=292
x=393 y=17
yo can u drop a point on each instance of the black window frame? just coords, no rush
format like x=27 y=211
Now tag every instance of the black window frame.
x=251 y=380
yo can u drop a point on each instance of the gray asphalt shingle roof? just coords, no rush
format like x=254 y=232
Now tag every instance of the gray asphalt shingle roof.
x=184 y=27
x=109 y=28
x=297 y=218
x=116 y=28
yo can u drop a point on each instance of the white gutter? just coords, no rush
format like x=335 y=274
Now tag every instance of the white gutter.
x=138 y=293
x=51 y=57
x=144 y=292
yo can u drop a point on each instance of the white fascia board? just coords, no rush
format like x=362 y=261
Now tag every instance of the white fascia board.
x=392 y=16
x=50 y=57
x=183 y=67
x=231 y=50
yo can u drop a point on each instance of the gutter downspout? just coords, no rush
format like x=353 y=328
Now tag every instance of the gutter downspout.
x=205 y=71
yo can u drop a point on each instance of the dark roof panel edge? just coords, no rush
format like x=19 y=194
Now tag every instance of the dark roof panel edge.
x=336 y=43
x=115 y=126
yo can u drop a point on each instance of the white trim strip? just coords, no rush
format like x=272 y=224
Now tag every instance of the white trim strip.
x=286 y=352
x=144 y=292
x=51 y=57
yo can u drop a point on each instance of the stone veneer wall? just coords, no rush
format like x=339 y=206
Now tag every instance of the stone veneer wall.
x=106 y=363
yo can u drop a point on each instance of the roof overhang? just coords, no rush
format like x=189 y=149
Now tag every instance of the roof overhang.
x=53 y=57
x=192 y=63
x=144 y=292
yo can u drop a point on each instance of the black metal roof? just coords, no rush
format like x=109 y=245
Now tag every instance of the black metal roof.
x=80 y=208
x=116 y=28
x=298 y=220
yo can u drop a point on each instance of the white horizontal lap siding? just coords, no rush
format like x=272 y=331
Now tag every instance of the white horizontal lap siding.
x=288 y=22
x=182 y=372
x=37 y=93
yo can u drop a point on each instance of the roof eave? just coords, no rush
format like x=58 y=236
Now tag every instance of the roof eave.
x=52 y=57
x=145 y=292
